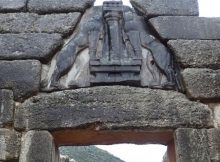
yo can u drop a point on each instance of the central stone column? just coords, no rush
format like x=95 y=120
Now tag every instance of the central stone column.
x=116 y=64
x=112 y=19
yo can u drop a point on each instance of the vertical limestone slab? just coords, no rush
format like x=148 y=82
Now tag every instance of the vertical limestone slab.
x=214 y=144
x=37 y=146
x=216 y=113
x=6 y=107
x=191 y=145
x=9 y=144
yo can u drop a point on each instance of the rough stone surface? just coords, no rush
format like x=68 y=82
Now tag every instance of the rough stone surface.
x=166 y=7
x=6 y=107
x=57 y=23
x=53 y=6
x=30 y=22
x=186 y=27
x=9 y=144
x=29 y=46
x=12 y=5
x=23 y=77
x=202 y=83
x=111 y=108
x=216 y=113
x=37 y=146
x=214 y=147
x=197 y=53
x=17 y=22
x=192 y=145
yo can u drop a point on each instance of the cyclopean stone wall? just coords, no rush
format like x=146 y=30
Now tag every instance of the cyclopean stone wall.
x=34 y=123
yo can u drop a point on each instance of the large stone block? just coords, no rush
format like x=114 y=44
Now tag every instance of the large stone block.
x=6 y=107
x=29 y=46
x=17 y=22
x=30 y=22
x=37 y=146
x=197 y=145
x=57 y=23
x=9 y=144
x=186 y=27
x=110 y=108
x=23 y=77
x=12 y=5
x=166 y=7
x=192 y=145
x=53 y=6
x=202 y=83
x=197 y=53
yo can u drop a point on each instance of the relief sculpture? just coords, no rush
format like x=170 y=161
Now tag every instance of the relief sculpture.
x=111 y=46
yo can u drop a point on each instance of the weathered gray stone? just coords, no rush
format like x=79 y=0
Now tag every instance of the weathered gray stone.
x=214 y=144
x=202 y=83
x=30 y=22
x=17 y=22
x=186 y=27
x=9 y=144
x=6 y=107
x=216 y=113
x=12 y=5
x=57 y=23
x=37 y=146
x=111 y=108
x=166 y=7
x=53 y=6
x=197 y=53
x=197 y=145
x=191 y=145
x=29 y=46
x=23 y=77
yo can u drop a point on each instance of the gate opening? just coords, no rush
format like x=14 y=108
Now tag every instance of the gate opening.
x=114 y=153
x=117 y=144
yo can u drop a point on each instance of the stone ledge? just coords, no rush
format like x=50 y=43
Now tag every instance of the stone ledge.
x=202 y=84
x=166 y=7
x=54 y=6
x=23 y=77
x=29 y=46
x=12 y=5
x=186 y=27
x=197 y=53
x=10 y=142
x=30 y=22
x=109 y=108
